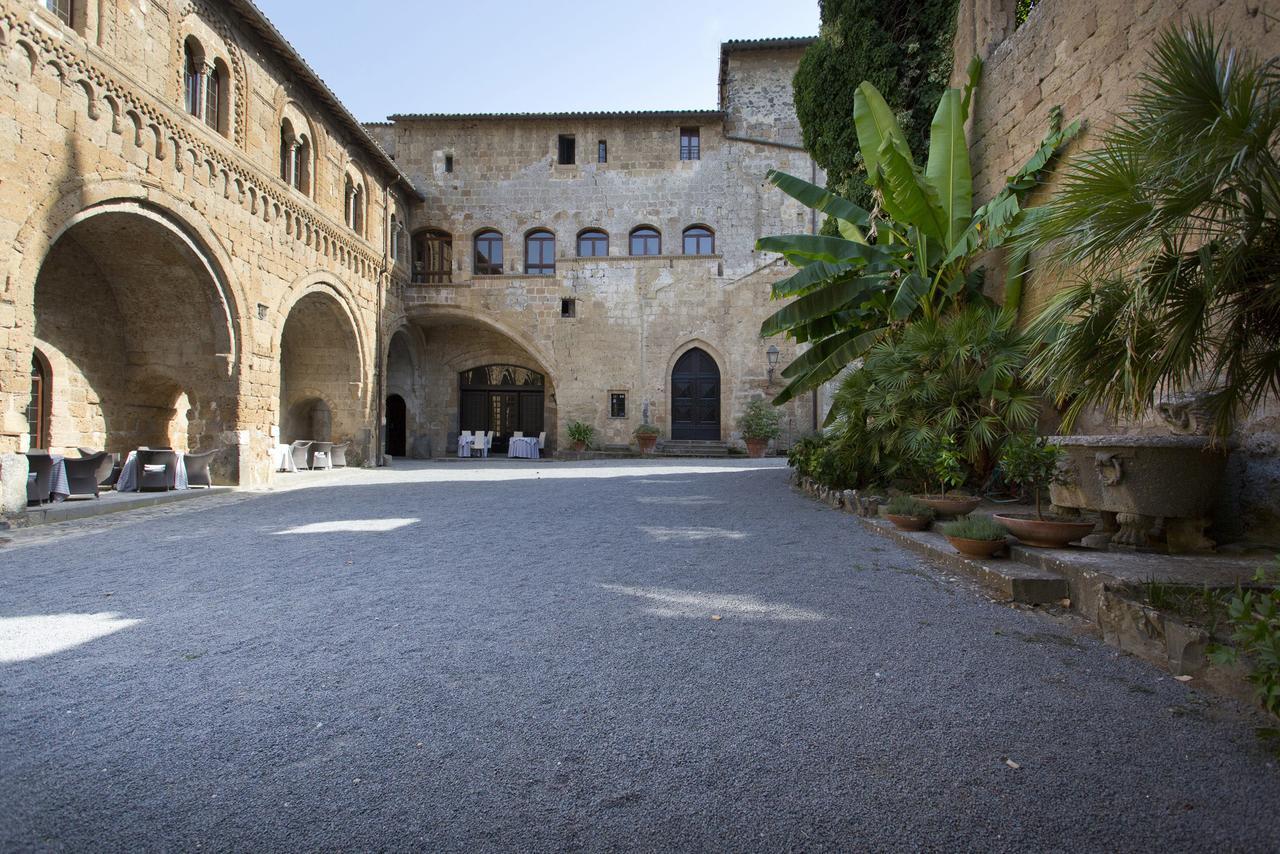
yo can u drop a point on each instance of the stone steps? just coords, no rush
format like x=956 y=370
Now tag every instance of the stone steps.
x=691 y=448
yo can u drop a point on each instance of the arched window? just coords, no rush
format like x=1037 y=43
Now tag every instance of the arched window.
x=394 y=235
x=699 y=240
x=38 y=408
x=646 y=240
x=433 y=257
x=355 y=205
x=295 y=158
x=593 y=243
x=216 y=98
x=193 y=77
x=488 y=254
x=540 y=253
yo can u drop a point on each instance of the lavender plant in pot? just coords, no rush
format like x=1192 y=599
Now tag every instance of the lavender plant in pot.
x=974 y=536
x=908 y=514
x=1032 y=463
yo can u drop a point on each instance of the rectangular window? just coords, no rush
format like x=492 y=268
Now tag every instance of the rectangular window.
x=690 y=144
x=617 y=404
x=567 y=149
x=448 y=163
x=61 y=8
x=568 y=308
x=602 y=152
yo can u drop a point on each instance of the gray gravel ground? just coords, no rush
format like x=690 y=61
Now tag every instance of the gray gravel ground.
x=533 y=664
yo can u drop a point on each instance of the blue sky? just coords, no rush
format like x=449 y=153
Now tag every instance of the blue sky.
x=516 y=56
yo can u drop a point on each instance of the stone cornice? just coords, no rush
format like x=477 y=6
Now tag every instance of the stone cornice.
x=104 y=84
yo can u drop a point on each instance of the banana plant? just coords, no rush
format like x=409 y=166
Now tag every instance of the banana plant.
x=910 y=258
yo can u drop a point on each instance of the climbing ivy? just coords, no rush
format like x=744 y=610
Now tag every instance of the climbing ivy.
x=902 y=47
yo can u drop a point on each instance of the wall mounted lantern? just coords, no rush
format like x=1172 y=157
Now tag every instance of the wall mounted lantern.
x=773 y=354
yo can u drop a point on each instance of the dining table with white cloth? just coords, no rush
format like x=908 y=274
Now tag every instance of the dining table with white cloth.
x=464 y=446
x=128 y=481
x=282 y=458
x=523 y=447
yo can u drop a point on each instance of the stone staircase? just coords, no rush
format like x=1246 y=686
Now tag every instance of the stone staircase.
x=691 y=448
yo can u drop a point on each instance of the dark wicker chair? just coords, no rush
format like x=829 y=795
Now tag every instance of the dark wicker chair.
x=86 y=474
x=39 y=477
x=198 y=467
x=299 y=452
x=323 y=450
x=338 y=455
x=157 y=470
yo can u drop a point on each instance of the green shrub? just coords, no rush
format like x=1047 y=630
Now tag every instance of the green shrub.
x=1254 y=617
x=905 y=505
x=647 y=430
x=1031 y=463
x=974 y=528
x=818 y=458
x=760 y=420
x=579 y=432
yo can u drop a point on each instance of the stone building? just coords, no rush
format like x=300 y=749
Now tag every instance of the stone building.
x=207 y=250
x=608 y=256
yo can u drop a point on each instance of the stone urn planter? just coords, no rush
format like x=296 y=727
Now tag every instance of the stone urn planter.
x=950 y=505
x=1154 y=492
x=647 y=442
x=909 y=523
x=976 y=548
x=756 y=447
x=1044 y=533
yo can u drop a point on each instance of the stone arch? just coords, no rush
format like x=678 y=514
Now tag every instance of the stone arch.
x=143 y=325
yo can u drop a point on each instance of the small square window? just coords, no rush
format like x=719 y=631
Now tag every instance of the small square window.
x=567 y=149
x=448 y=163
x=690 y=144
x=602 y=152
x=568 y=308
x=617 y=404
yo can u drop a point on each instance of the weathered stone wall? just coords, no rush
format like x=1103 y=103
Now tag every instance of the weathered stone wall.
x=634 y=315
x=1085 y=56
x=179 y=311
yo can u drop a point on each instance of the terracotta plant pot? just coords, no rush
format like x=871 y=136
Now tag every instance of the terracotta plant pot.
x=951 y=505
x=646 y=443
x=756 y=447
x=910 y=523
x=1043 y=533
x=976 y=548
x=579 y=446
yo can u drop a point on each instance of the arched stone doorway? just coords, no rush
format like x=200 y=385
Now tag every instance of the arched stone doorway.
x=134 y=322
x=397 y=439
x=504 y=399
x=320 y=375
x=695 y=397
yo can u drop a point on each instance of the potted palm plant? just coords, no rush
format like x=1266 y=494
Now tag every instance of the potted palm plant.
x=1032 y=463
x=580 y=435
x=948 y=471
x=759 y=425
x=646 y=437
x=909 y=514
x=975 y=536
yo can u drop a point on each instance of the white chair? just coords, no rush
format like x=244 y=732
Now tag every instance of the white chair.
x=517 y=435
x=488 y=443
x=542 y=441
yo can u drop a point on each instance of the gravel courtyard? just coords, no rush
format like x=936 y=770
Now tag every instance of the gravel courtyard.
x=528 y=656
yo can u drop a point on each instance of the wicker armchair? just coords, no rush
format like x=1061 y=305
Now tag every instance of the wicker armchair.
x=86 y=475
x=338 y=456
x=298 y=450
x=198 y=467
x=157 y=470
x=39 y=477
x=322 y=451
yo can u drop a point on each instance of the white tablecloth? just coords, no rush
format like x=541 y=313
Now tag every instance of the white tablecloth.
x=464 y=446
x=523 y=447
x=282 y=458
x=128 y=481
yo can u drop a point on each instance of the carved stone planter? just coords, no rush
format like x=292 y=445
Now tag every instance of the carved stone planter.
x=1153 y=492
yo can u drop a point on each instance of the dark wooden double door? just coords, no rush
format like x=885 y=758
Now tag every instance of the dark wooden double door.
x=504 y=399
x=695 y=397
